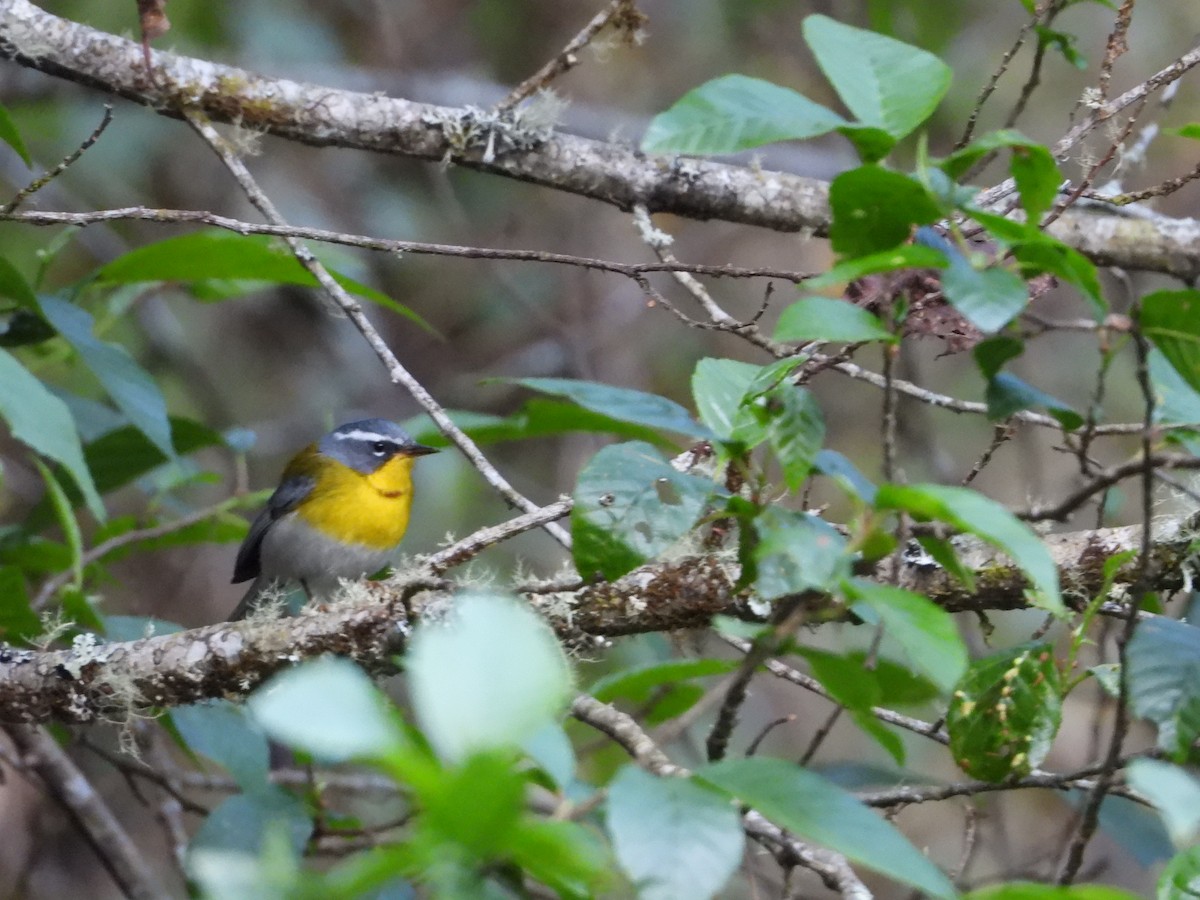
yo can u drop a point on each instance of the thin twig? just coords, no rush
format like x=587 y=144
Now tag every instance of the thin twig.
x=37 y=184
x=354 y=311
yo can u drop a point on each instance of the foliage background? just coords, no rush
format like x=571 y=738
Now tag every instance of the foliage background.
x=277 y=363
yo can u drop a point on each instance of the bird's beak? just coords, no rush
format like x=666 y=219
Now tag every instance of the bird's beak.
x=418 y=450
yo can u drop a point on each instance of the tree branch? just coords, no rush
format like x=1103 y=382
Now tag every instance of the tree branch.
x=501 y=143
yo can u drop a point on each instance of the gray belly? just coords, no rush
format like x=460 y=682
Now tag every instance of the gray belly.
x=292 y=550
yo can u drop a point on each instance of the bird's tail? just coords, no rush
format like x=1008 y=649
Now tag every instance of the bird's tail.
x=250 y=600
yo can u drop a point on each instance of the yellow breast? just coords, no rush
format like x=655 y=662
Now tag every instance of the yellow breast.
x=371 y=510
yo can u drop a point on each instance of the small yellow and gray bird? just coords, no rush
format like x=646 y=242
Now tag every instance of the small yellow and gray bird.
x=340 y=510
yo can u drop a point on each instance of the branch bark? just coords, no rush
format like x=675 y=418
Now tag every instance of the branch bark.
x=501 y=143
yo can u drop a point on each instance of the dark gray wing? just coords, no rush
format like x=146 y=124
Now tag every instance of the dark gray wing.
x=290 y=494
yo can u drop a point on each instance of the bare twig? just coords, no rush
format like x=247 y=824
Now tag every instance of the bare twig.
x=37 y=184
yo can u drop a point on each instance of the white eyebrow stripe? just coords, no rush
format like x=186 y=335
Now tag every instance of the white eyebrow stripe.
x=359 y=435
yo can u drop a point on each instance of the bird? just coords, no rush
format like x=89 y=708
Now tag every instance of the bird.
x=340 y=510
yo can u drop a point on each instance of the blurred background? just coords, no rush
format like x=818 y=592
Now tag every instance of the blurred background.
x=278 y=367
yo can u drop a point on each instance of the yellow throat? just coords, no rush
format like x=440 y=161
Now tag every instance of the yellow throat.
x=371 y=510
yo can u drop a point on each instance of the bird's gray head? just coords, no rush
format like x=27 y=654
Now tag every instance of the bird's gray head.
x=369 y=443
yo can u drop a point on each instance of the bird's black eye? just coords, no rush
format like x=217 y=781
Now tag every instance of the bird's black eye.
x=380 y=448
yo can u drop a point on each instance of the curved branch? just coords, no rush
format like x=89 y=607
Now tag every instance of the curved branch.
x=501 y=143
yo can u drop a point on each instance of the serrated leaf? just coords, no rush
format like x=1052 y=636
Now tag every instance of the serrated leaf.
x=129 y=385
x=673 y=837
x=460 y=703
x=734 y=113
x=924 y=630
x=875 y=209
x=42 y=421
x=884 y=82
x=1174 y=792
x=970 y=511
x=990 y=298
x=623 y=404
x=630 y=505
x=794 y=427
x=1005 y=713
x=1163 y=660
x=11 y=136
x=329 y=708
x=824 y=319
x=816 y=810
x=797 y=552
x=1171 y=321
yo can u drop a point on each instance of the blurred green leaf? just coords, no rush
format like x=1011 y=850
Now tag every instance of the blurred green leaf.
x=122 y=455
x=64 y=515
x=924 y=630
x=990 y=298
x=1180 y=880
x=1037 y=177
x=208 y=255
x=906 y=256
x=11 y=136
x=42 y=421
x=221 y=731
x=18 y=621
x=329 y=708
x=1177 y=401
x=718 y=386
x=537 y=417
x=460 y=703
x=130 y=386
x=1007 y=394
x=1042 y=254
x=673 y=837
x=797 y=552
x=834 y=465
x=636 y=682
x=1028 y=890
x=1174 y=792
x=14 y=286
x=1171 y=321
x=884 y=82
x=858 y=690
x=630 y=505
x=794 y=426
x=623 y=404
x=734 y=113
x=243 y=821
x=1190 y=130
x=970 y=511
x=1163 y=660
x=875 y=209
x=824 y=319
x=1005 y=713
x=815 y=810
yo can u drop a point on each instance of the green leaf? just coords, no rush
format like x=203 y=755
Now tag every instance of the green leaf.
x=797 y=552
x=130 y=386
x=122 y=455
x=1176 y=794
x=906 y=256
x=65 y=517
x=924 y=630
x=718 y=386
x=623 y=404
x=884 y=82
x=814 y=809
x=992 y=354
x=1029 y=890
x=734 y=113
x=1005 y=713
x=12 y=137
x=824 y=319
x=329 y=708
x=1190 y=130
x=244 y=822
x=872 y=144
x=990 y=298
x=1007 y=394
x=875 y=209
x=1163 y=660
x=220 y=731
x=1037 y=177
x=795 y=429
x=1177 y=402
x=42 y=422
x=636 y=682
x=1171 y=321
x=970 y=511
x=208 y=255
x=18 y=621
x=630 y=506
x=14 y=286
x=537 y=417
x=1180 y=880
x=672 y=836
x=834 y=465
x=459 y=701
x=1040 y=253
x=858 y=690
x=957 y=163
